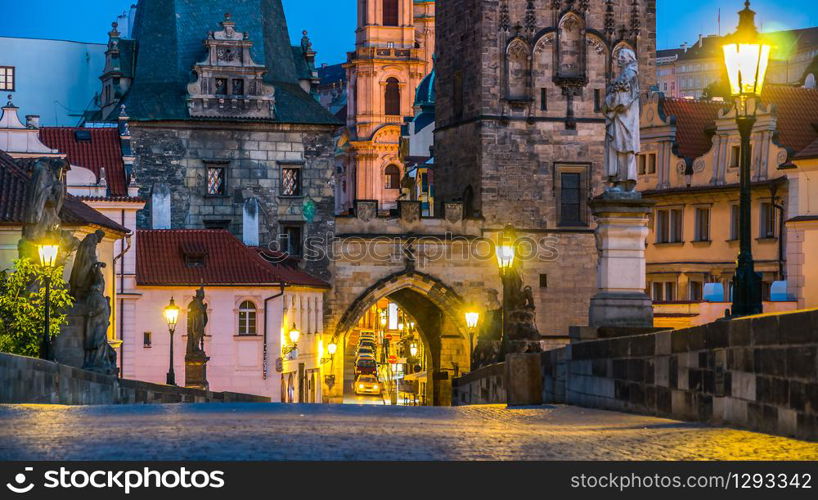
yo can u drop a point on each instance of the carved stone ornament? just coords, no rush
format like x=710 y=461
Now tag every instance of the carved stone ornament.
x=229 y=84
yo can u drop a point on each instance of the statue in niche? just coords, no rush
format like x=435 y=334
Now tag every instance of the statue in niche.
x=621 y=109
x=196 y=323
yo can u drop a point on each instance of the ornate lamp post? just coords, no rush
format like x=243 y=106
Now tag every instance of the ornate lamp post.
x=294 y=335
x=746 y=59
x=505 y=259
x=472 y=318
x=171 y=314
x=48 y=259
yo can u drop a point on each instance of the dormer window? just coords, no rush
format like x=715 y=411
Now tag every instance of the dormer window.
x=193 y=253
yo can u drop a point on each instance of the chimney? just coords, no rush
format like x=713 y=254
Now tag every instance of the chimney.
x=684 y=46
x=701 y=40
x=32 y=121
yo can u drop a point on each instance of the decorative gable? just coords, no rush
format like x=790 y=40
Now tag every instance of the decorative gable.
x=228 y=82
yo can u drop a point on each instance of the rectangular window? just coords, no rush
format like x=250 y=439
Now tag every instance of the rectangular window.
x=669 y=225
x=543 y=99
x=670 y=291
x=146 y=340
x=543 y=281
x=290 y=181
x=768 y=220
x=570 y=190
x=238 y=87
x=676 y=225
x=457 y=94
x=7 y=78
x=597 y=101
x=735 y=221
x=662 y=226
x=766 y=289
x=696 y=291
x=651 y=166
x=658 y=295
x=291 y=241
x=641 y=164
x=702 y=224
x=221 y=86
x=216 y=180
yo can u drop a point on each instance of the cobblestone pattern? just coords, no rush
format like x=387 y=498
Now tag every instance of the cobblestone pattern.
x=253 y=156
x=352 y=432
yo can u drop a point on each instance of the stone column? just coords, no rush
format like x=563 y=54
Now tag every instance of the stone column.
x=196 y=371
x=622 y=228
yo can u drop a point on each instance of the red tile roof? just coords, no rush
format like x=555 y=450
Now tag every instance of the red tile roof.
x=102 y=151
x=14 y=179
x=797 y=114
x=693 y=118
x=161 y=261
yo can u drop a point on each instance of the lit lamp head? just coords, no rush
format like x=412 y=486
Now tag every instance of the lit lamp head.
x=171 y=314
x=383 y=318
x=746 y=57
x=400 y=326
x=413 y=349
x=294 y=335
x=332 y=348
x=48 y=254
x=472 y=317
x=505 y=248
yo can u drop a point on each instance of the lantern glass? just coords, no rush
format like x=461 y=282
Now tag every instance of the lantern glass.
x=48 y=254
x=294 y=335
x=413 y=349
x=472 y=318
x=171 y=314
x=746 y=67
x=505 y=256
x=332 y=348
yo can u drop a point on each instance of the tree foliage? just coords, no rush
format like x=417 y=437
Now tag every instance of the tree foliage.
x=22 y=306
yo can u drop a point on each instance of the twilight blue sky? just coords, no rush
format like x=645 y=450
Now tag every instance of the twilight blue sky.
x=331 y=23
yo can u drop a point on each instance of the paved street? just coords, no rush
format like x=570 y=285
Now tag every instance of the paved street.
x=352 y=432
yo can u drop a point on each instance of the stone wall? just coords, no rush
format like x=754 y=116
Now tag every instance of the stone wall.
x=35 y=381
x=175 y=154
x=759 y=373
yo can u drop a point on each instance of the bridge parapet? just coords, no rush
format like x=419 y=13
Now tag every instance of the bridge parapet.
x=367 y=219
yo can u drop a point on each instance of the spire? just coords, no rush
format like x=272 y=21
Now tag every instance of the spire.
x=636 y=23
x=609 y=20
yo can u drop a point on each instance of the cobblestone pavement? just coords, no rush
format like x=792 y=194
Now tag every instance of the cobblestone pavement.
x=357 y=432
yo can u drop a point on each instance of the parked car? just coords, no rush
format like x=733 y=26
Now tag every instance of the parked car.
x=367 y=343
x=366 y=350
x=367 y=384
x=365 y=366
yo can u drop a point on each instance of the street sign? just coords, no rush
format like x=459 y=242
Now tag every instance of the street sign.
x=393 y=359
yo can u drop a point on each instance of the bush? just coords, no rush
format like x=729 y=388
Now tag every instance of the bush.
x=22 y=311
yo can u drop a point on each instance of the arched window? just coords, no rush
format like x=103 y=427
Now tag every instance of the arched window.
x=247 y=318
x=390 y=12
x=392 y=173
x=392 y=97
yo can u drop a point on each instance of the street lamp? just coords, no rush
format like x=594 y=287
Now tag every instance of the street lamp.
x=294 y=335
x=48 y=259
x=171 y=314
x=505 y=259
x=746 y=59
x=332 y=348
x=413 y=350
x=472 y=318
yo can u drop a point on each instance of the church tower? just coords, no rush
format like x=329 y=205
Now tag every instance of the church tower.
x=393 y=52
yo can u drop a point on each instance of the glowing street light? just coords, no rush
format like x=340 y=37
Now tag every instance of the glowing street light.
x=48 y=259
x=171 y=314
x=746 y=59
x=294 y=335
x=413 y=350
x=472 y=318
x=506 y=246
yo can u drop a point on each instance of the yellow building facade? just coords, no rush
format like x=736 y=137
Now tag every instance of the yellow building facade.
x=689 y=166
x=393 y=52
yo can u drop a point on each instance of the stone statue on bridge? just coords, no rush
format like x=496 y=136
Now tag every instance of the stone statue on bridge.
x=195 y=357
x=621 y=109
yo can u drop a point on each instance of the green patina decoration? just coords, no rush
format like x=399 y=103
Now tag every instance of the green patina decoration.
x=309 y=209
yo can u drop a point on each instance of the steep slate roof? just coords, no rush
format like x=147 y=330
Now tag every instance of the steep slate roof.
x=14 y=181
x=693 y=118
x=170 y=36
x=160 y=261
x=810 y=151
x=102 y=151
x=797 y=114
x=332 y=73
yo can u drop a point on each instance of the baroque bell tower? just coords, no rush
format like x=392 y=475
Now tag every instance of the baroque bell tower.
x=393 y=52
